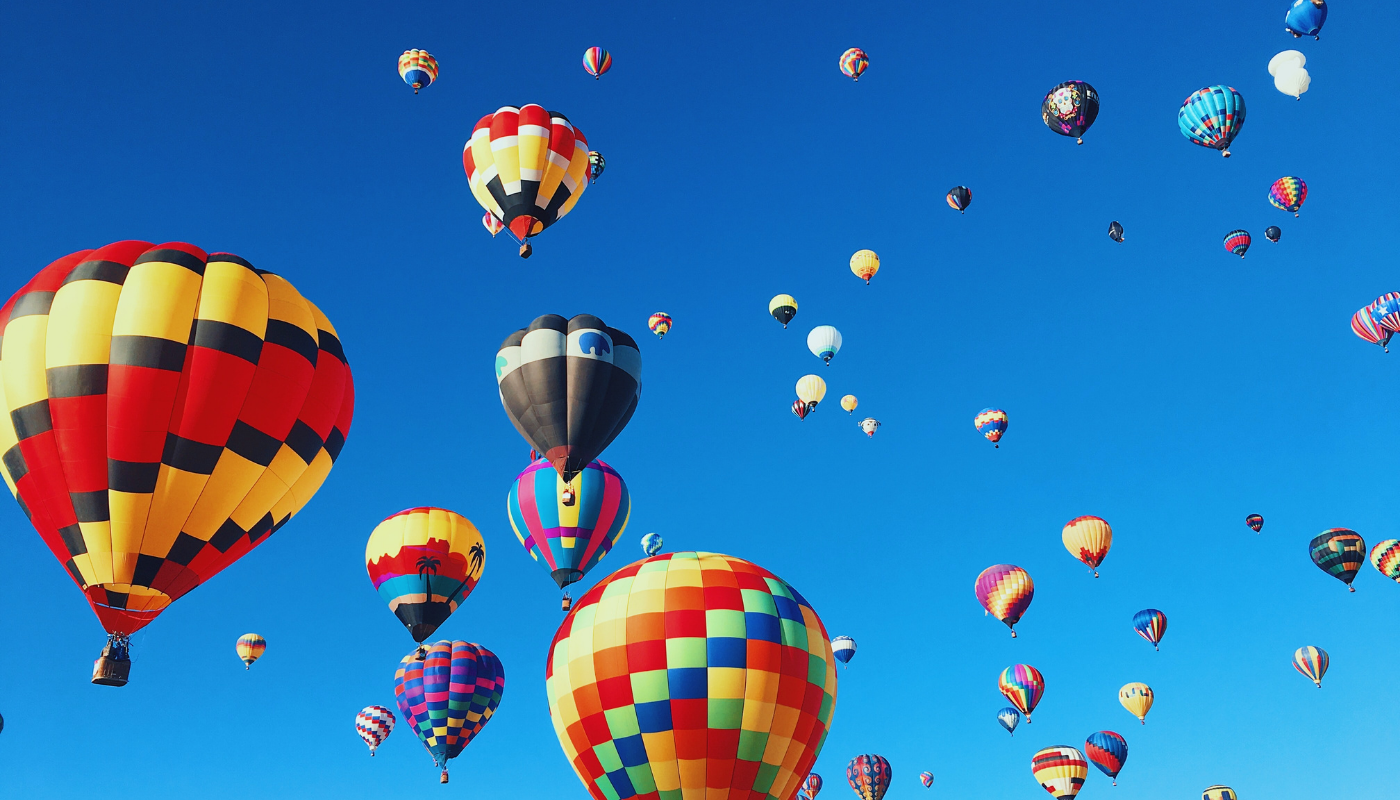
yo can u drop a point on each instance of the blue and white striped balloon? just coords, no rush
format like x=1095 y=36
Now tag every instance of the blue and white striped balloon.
x=844 y=648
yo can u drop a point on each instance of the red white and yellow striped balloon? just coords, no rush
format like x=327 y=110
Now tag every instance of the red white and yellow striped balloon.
x=1060 y=770
x=1385 y=557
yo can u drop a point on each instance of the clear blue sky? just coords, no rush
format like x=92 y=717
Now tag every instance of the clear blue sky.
x=1162 y=383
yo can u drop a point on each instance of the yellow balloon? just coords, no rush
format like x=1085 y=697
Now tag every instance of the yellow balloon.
x=1088 y=539
x=849 y=403
x=865 y=264
x=1137 y=698
x=811 y=389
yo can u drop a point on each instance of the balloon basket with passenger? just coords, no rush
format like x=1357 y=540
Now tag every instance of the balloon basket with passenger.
x=113 y=667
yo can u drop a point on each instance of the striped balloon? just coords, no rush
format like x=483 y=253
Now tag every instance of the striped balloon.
x=1150 y=624
x=1219 y=793
x=374 y=724
x=1088 y=539
x=493 y=226
x=449 y=696
x=844 y=647
x=1108 y=751
x=1363 y=324
x=1255 y=522
x=1340 y=553
x=1212 y=117
x=1385 y=557
x=250 y=648
x=1138 y=699
x=1023 y=685
x=1005 y=591
x=926 y=778
x=418 y=69
x=1312 y=663
x=1237 y=242
x=1060 y=770
x=1288 y=193
x=865 y=263
x=1009 y=718
x=854 y=62
x=596 y=61
x=568 y=538
x=991 y=423
x=660 y=324
x=959 y=198
x=812 y=786
x=869 y=776
x=1386 y=312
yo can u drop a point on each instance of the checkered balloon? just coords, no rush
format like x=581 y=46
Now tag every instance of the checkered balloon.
x=374 y=724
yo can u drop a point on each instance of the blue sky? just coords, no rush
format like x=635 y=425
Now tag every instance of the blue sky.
x=1162 y=383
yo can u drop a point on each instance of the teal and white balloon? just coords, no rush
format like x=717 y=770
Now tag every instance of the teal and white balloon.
x=651 y=544
x=1009 y=719
x=825 y=342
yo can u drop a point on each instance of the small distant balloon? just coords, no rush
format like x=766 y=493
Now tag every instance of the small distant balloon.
x=854 y=63
x=1023 y=686
x=1009 y=718
x=1288 y=193
x=1237 y=242
x=926 y=778
x=844 y=648
x=1005 y=591
x=651 y=544
x=810 y=390
x=783 y=308
x=1273 y=233
x=1070 y=108
x=1385 y=557
x=800 y=409
x=849 y=403
x=1212 y=117
x=250 y=648
x=1137 y=698
x=596 y=165
x=812 y=785
x=1151 y=625
x=1221 y=792
x=1312 y=663
x=959 y=198
x=596 y=61
x=825 y=342
x=1339 y=552
x=1255 y=522
x=1305 y=18
x=1088 y=539
x=492 y=225
x=374 y=724
x=1115 y=231
x=991 y=423
x=418 y=69
x=865 y=264
x=659 y=323
x=869 y=425
x=1108 y=751
x=1363 y=324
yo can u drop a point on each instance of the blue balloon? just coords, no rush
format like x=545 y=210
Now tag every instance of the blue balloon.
x=844 y=648
x=651 y=544
x=1009 y=719
x=1305 y=18
x=1108 y=751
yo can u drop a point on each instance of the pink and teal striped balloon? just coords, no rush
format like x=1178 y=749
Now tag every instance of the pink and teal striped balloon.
x=568 y=535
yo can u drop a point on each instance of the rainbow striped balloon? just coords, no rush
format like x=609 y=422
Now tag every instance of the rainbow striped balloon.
x=1385 y=557
x=1288 y=193
x=596 y=61
x=1312 y=663
x=374 y=724
x=1060 y=770
x=1151 y=625
x=854 y=62
x=926 y=778
x=1023 y=685
x=1237 y=242
x=1255 y=522
x=1363 y=324
x=1005 y=591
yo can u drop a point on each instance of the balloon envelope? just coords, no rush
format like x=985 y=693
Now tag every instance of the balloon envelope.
x=1088 y=539
x=1115 y=231
x=1338 y=552
x=1255 y=522
x=1220 y=792
x=418 y=69
x=825 y=342
x=844 y=647
x=869 y=776
x=849 y=403
x=991 y=423
x=526 y=165
x=1363 y=324
x=567 y=540
x=424 y=562
x=651 y=544
x=1305 y=18
x=1237 y=242
x=1009 y=719
x=926 y=778
x=812 y=785
x=1151 y=625
x=1312 y=663
x=783 y=308
x=865 y=264
x=959 y=198
x=704 y=655
x=854 y=62
x=1137 y=698
x=596 y=61
x=250 y=648
x=810 y=390
x=1023 y=685
x=1288 y=193
x=1060 y=770
x=493 y=226
x=1005 y=591
x=449 y=696
x=869 y=425
x=659 y=323
x=1273 y=233
x=1212 y=117
x=1108 y=751
x=1385 y=557
x=374 y=724
x=1070 y=108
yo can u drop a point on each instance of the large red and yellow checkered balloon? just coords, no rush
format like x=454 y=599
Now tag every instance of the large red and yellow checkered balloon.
x=168 y=410
x=691 y=674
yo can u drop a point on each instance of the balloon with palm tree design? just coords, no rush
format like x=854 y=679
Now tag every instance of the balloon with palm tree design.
x=424 y=562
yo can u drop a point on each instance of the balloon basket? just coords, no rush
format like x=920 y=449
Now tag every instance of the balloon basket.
x=443 y=779
x=108 y=671
x=525 y=251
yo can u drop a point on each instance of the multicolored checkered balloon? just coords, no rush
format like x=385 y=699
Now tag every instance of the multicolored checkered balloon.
x=691 y=674
x=448 y=695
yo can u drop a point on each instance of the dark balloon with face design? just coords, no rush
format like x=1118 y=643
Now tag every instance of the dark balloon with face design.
x=1070 y=109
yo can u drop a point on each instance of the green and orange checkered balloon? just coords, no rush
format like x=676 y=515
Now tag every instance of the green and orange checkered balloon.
x=691 y=673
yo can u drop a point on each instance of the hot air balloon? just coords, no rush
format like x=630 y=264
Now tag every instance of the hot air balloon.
x=1312 y=663
x=528 y=166
x=250 y=648
x=418 y=69
x=1212 y=117
x=659 y=323
x=1255 y=522
x=1137 y=698
x=991 y=423
x=1363 y=324
x=596 y=61
x=1009 y=719
x=812 y=785
x=169 y=410
x=1290 y=76
x=959 y=198
x=869 y=425
x=825 y=342
x=800 y=409
x=1005 y=591
x=1088 y=539
x=569 y=387
x=596 y=165
x=810 y=390
x=1305 y=18
x=568 y=538
x=1273 y=233
x=926 y=778
x=424 y=562
x=844 y=647
x=449 y=696
x=854 y=63
x=1023 y=685
x=1070 y=108
x=869 y=776
x=1237 y=242
x=1151 y=625
x=1288 y=193
x=1220 y=792
x=1108 y=751
x=1340 y=553
x=1061 y=770
x=783 y=308
x=739 y=631
x=865 y=264
x=374 y=724
x=651 y=544
x=1115 y=231
x=848 y=403
x=493 y=226
x=1385 y=557
x=1386 y=312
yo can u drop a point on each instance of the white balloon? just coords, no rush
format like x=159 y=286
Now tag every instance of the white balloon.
x=824 y=341
x=1293 y=82
x=1279 y=61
